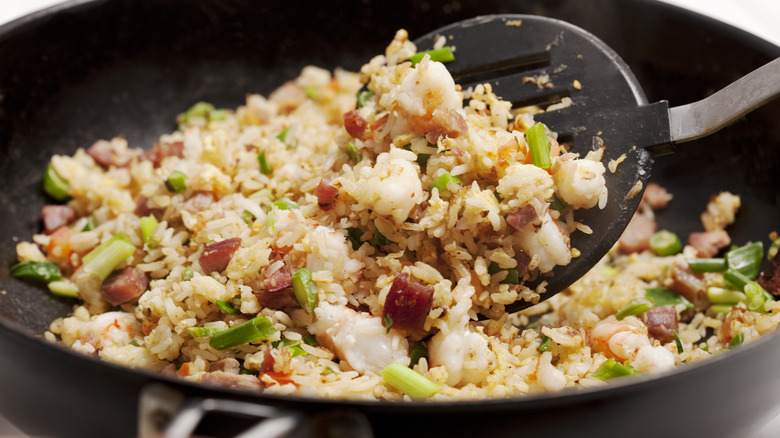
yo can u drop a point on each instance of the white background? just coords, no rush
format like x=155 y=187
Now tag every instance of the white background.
x=761 y=17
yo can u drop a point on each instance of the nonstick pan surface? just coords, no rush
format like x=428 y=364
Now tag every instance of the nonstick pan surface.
x=96 y=69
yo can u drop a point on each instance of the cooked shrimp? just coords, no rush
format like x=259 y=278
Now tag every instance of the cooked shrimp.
x=548 y=242
x=358 y=338
x=628 y=340
x=392 y=187
x=101 y=331
x=464 y=353
x=580 y=182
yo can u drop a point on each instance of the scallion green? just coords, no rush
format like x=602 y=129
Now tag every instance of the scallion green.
x=64 y=288
x=354 y=235
x=380 y=239
x=633 y=309
x=443 y=54
x=363 y=97
x=98 y=249
x=90 y=225
x=737 y=340
x=247 y=217
x=721 y=308
x=409 y=381
x=44 y=272
x=512 y=277
x=200 y=109
x=176 y=182
x=719 y=295
x=746 y=259
x=539 y=146
x=735 y=279
x=660 y=296
x=545 y=344
x=265 y=168
x=678 y=342
x=205 y=332
x=665 y=243
x=706 y=265
x=104 y=262
x=305 y=290
x=612 y=368
x=353 y=153
x=756 y=296
x=442 y=181
x=419 y=351
x=148 y=225
x=282 y=136
x=227 y=307
x=388 y=321
x=56 y=186
x=187 y=274
x=285 y=204
x=252 y=330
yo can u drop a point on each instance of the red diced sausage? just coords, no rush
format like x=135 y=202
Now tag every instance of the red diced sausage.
x=216 y=257
x=326 y=194
x=708 y=243
x=355 y=125
x=125 y=285
x=661 y=323
x=55 y=216
x=637 y=234
x=407 y=303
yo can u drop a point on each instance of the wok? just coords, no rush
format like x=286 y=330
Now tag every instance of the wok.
x=95 y=69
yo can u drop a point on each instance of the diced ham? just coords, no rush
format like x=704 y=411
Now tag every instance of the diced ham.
x=216 y=257
x=522 y=217
x=636 y=237
x=55 y=216
x=277 y=279
x=199 y=201
x=231 y=380
x=689 y=285
x=161 y=151
x=124 y=286
x=142 y=209
x=105 y=156
x=228 y=365
x=277 y=300
x=661 y=323
x=770 y=279
x=656 y=196
x=355 y=125
x=407 y=303
x=326 y=194
x=443 y=123
x=708 y=243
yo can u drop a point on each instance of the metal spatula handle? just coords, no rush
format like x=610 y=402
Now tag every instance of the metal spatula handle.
x=698 y=119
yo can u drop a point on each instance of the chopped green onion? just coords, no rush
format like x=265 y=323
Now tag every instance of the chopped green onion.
x=106 y=260
x=354 y=235
x=247 y=217
x=90 y=225
x=205 y=332
x=678 y=342
x=310 y=340
x=545 y=344
x=721 y=308
x=353 y=153
x=494 y=268
x=409 y=381
x=227 y=307
x=176 y=182
x=98 y=249
x=218 y=115
x=558 y=204
x=609 y=271
x=265 y=168
x=64 y=288
x=56 y=186
x=304 y=289
x=719 y=295
x=285 y=204
x=380 y=239
x=612 y=368
x=311 y=92
x=44 y=272
x=282 y=136
x=746 y=259
x=441 y=181
x=363 y=97
x=665 y=243
x=270 y=221
x=422 y=159
x=735 y=279
x=388 y=320
x=444 y=54
x=706 y=265
x=187 y=274
x=756 y=297
x=200 y=109
x=148 y=225
x=660 y=296
x=737 y=340
x=294 y=347
x=252 y=330
x=512 y=277
x=773 y=249
x=419 y=351
x=539 y=146
x=633 y=309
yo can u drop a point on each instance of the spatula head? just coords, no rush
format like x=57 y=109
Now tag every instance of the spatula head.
x=531 y=60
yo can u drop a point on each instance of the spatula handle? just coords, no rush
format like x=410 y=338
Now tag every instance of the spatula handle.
x=698 y=119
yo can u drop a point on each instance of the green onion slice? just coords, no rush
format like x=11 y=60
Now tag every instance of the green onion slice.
x=247 y=217
x=444 y=54
x=409 y=381
x=252 y=330
x=545 y=344
x=746 y=259
x=756 y=297
x=721 y=308
x=419 y=351
x=56 y=186
x=200 y=109
x=98 y=249
x=512 y=277
x=64 y=288
x=226 y=307
x=176 y=182
x=148 y=225
x=353 y=153
x=442 y=181
x=735 y=279
x=354 y=235
x=90 y=225
x=265 y=168
x=737 y=340
x=363 y=97
x=539 y=146
x=205 y=332
x=633 y=309
x=44 y=272
x=719 y=295
x=706 y=265
x=304 y=289
x=104 y=262
x=282 y=136
x=284 y=204
x=660 y=296
x=678 y=342
x=380 y=239
x=665 y=243
x=612 y=368
x=187 y=274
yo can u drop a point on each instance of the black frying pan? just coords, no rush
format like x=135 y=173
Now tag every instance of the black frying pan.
x=96 y=69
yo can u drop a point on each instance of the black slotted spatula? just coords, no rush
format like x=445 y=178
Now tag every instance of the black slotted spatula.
x=533 y=60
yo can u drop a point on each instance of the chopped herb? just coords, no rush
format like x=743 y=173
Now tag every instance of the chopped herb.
x=737 y=340
x=746 y=259
x=494 y=268
x=756 y=296
x=90 y=255
x=282 y=136
x=56 y=186
x=444 y=54
x=721 y=308
x=422 y=159
x=90 y=225
x=247 y=217
x=735 y=279
x=310 y=340
x=270 y=221
x=176 y=182
x=254 y=329
x=205 y=332
x=265 y=168
x=388 y=320
x=558 y=204
x=64 y=288
x=311 y=92
x=354 y=235
x=512 y=277
x=353 y=153
x=380 y=239
x=539 y=146
x=665 y=243
x=304 y=289
x=419 y=351
x=706 y=265
x=409 y=381
x=633 y=309
x=678 y=342
x=294 y=347
x=44 y=272
x=612 y=368
x=660 y=296
x=148 y=225
x=285 y=204
x=545 y=344
x=442 y=181
x=105 y=260
x=363 y=97
x=227 y=307
x=187 y=274
x=719 y=295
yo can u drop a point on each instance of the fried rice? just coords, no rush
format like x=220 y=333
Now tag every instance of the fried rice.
x=366 y=219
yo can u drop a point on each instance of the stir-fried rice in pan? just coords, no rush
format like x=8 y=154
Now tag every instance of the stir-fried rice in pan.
x=357 y=235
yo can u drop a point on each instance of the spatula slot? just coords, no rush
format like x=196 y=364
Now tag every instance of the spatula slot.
x=488 y=72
